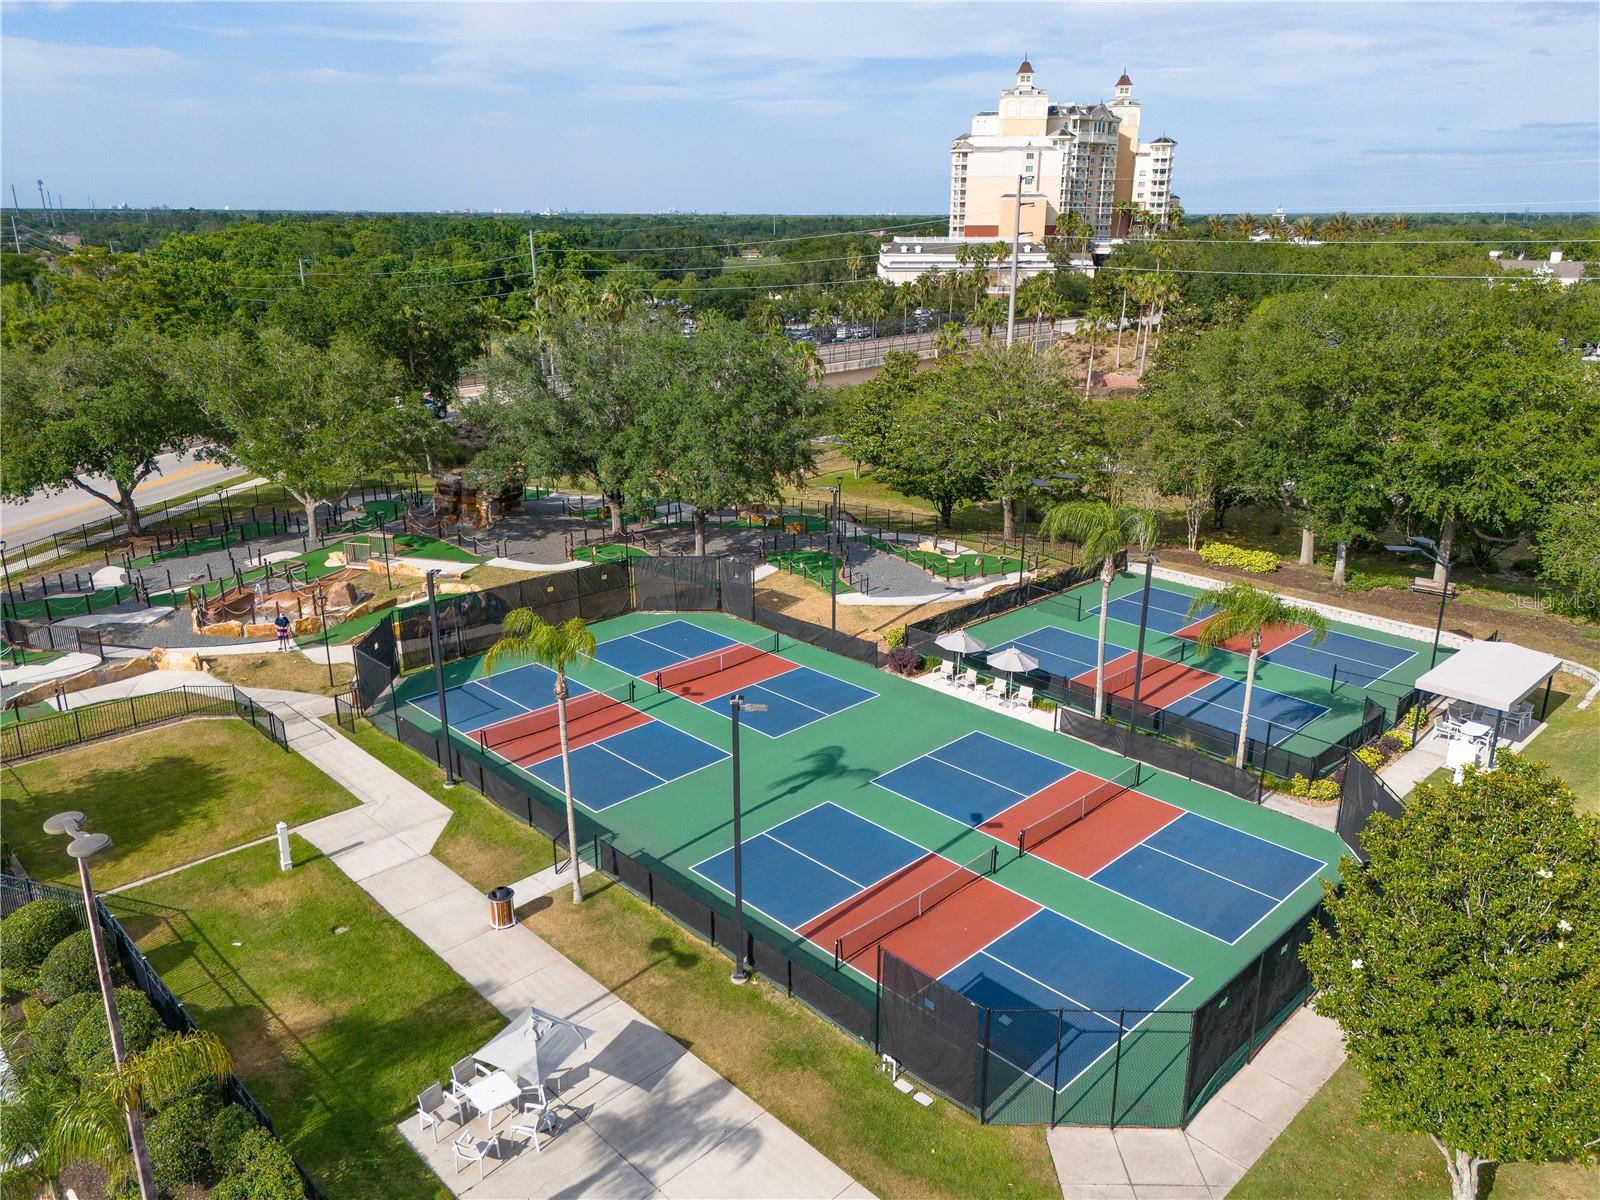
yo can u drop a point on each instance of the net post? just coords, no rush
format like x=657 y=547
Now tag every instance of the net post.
x=1333 y=678
x=838 y=951
x=1055 y=1078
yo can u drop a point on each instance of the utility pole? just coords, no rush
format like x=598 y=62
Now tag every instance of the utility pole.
x=16 y=240
x=533 y=268
x=42 y=205
x=301 y=264
x=15 y=205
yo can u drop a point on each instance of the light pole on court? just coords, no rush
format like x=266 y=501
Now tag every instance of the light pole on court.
x=737 y=705
x=1144 y=617
x=438 y=678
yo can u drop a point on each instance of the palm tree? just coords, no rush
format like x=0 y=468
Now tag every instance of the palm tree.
x=1244 y=225
x=1305 y=228
x=1174 y=217
x=1399 y=223
x=854 y=260
x=1104 y=531
x=91 y=1126
x=988 y=313
x=1215 y=228
x=1369 y=224
x=951 y=339
x=1337 y=226
x=804 y=351
x=528 y=635
x=1240 y=610
x=1094 y=316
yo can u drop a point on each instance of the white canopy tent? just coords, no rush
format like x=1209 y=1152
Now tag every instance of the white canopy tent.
x=1494 y=676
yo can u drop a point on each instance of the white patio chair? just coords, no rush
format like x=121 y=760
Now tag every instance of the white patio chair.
x=434 y=1108
x=947 y=672
x=469 y=1149
x=1449 y=728
x=1023 y=696
x=995 y=689
x=538 y=1107
x=462 y=1074
x=970 y=679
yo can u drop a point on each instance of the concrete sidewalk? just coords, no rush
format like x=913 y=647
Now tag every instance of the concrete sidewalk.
x=641 y=1116
x=1235 y=1127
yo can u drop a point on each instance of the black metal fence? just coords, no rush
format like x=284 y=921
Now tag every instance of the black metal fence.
x=68 y=639
x=1361 y=796
x=46 y=735
x=15 y=891
x=1166 y=756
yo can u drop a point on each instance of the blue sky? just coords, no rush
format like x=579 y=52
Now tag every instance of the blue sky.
x=839 y=107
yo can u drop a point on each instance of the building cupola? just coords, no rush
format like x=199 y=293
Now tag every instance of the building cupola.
x=1025 y=74
x=1124 y=87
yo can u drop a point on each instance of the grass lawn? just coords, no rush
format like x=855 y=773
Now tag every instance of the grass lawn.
x=166 y=796
x=483 y=843
x=1571 y=747
x=820 y=1083
x=291 y=671
x=1330 y=1151
x=335 y=1014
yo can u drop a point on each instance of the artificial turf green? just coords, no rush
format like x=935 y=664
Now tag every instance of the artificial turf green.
x=684 y=822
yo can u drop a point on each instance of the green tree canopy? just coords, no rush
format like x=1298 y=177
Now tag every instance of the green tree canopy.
x=313 y=420
x=1463 y=964
x=95 y=414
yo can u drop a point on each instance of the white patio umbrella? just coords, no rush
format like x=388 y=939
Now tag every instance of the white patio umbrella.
x=534 y=1045
x=961 y=642
x=1011 y=660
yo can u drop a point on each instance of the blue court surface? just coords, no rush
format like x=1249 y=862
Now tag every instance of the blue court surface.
x=1051 y=962
x=794 y=699
x=1169 y=611
x=1273 y=715
x=1208 y=876
x=795 y=696
x=1357 y=660
x=800 y=869
x=974 y=778
x=1060 y=651
x=628 y=764
x=479 y=703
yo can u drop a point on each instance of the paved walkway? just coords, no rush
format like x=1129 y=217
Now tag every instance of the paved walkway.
x=1235 y=1127
x=641 y=1115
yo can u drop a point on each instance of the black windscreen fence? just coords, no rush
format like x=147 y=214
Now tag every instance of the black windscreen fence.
x=377 y=663
x=1168 y=756
x=685 y=583
x=1239 y=1018
x=832 y=640
x=1362 y=796
x=932 y=1031
x=1042 y=591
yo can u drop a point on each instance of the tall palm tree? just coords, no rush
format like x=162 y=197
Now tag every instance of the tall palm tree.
x=951 y=339
x=91 y=1126
x=1305 y=228
x=1399 y=223
x=1241 y=609
x=804 y=351
x=854 y=260
x=1369 y=224
x=988 y=313
x=1215 y=227
x=1094 y=316
x=1337 y=226
x=528 y=635
x=1244 y=224
x=1104 y=531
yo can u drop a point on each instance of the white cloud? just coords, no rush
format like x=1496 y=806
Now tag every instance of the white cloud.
x=50 y=65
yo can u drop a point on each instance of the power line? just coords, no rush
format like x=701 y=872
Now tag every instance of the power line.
x=1486 y=277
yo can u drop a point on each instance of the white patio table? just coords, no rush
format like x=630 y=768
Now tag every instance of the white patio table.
x=495 y=1090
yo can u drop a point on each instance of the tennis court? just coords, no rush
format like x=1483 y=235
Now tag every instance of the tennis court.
x=616 y=752
x=1026 y=870
x=710 y=669
x=1355 y=658
x=1187 y=690
x=1219 y=881
x=849 y=885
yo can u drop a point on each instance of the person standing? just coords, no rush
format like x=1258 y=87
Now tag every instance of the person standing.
x=282 y=625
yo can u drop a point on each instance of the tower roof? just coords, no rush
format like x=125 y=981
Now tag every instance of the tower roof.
x=1124 y=81
x=1026 y=68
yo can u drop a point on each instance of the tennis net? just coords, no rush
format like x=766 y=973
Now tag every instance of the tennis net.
x=875 y=929
x=1076 y=810
x=542 y=720
x=711 y=664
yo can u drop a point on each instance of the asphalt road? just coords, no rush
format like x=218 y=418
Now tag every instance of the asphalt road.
x=39 y=516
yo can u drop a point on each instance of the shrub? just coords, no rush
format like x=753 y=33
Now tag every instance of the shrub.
x=228 y=1127
x=1371 y=756
x=31 y=932
x=49 y=1035
x=1363 y=581
x=1392 y=743
x=18 y=981
x=69 y=968
x=903 y=660
x=262 y=1170
x=1402 y=735
x=177 y=1137
x=1320 y=789
x=1257 y=562
x=894 y=636
x=89 y=1049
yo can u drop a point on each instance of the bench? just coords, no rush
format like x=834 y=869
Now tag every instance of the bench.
x=1429 y=585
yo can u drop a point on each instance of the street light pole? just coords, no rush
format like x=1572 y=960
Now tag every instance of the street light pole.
x=438 y=679
x=1438 y=628
x=84 y=846
x=736 y=706
x=1016 y=244
x=1429 y=549
x=1144 y=615
x=836 y=538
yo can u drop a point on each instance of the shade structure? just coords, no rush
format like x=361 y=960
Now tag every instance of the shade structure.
x=1011 y=660
x=534 y=1045
x=1494 y=675
x=960 y=641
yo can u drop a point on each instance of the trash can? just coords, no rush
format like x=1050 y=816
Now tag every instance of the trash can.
x=500 y=912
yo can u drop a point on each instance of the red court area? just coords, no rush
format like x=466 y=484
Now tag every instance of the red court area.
x=1272 y=636
x=1164 y=682
x=933 y=915
x=536 y=736
x=1063 y=797
x=712 y=675
x=1106 y=833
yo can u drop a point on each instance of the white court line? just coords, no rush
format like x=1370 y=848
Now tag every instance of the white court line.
x=600 y=745
x=1215 y=875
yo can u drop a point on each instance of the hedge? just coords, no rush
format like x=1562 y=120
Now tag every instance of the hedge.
x=31 y=932
x=177 y=1138
x=69 y=968
x=1222 y=554
x=89 y=1048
